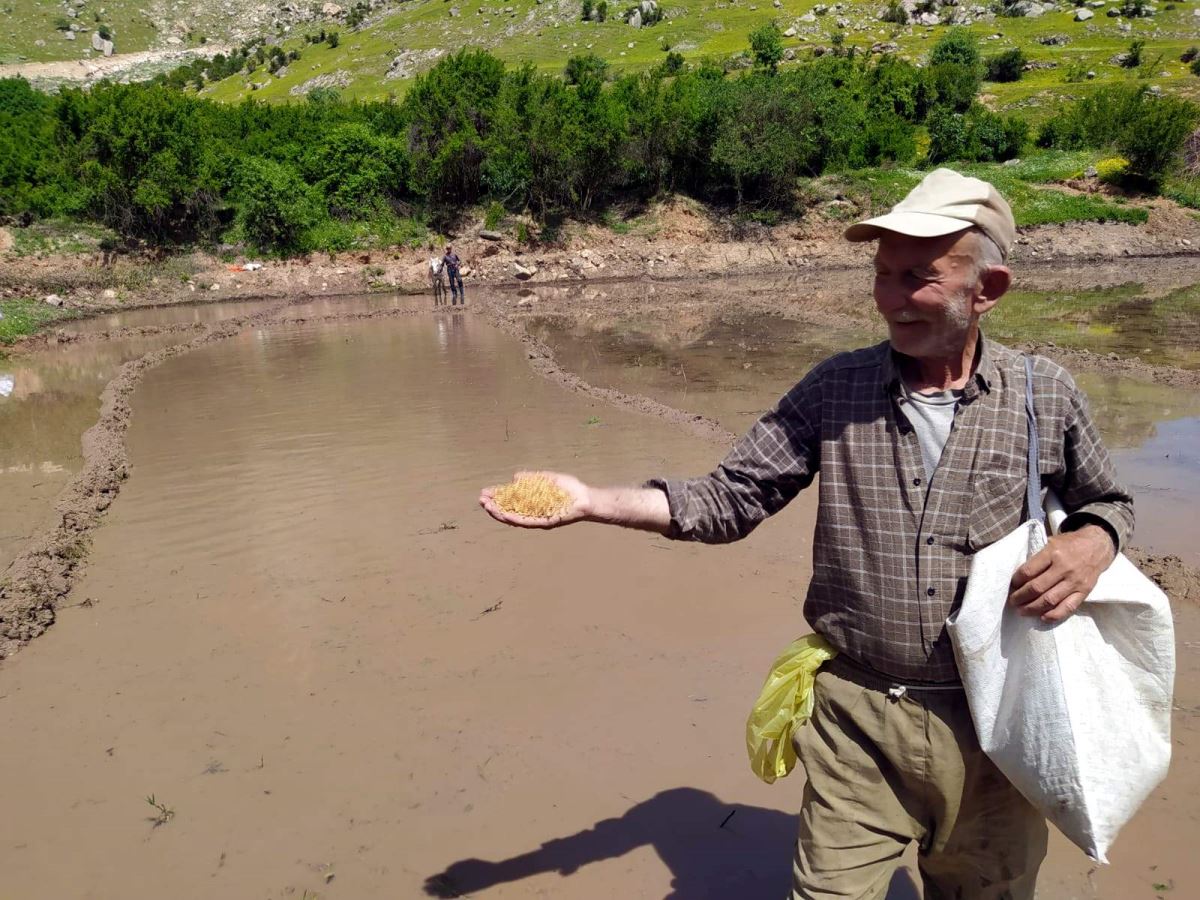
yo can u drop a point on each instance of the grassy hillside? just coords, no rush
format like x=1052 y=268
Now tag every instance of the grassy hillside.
x=546 y=34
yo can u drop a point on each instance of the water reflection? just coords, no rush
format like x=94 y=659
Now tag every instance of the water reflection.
x=732 y=368
x=49 y=399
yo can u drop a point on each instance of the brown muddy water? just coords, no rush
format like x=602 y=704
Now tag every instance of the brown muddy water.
x=301 y=636
x=733 y=366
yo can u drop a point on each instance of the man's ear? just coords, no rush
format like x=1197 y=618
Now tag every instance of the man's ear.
x=994 y=282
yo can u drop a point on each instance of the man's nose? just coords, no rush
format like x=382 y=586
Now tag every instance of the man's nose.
x=890 y=297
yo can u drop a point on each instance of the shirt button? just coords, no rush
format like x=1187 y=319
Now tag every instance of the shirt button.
x=917 y=482
x=931 y=591
x=929 y=540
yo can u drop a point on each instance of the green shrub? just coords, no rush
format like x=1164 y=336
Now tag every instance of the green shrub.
x=1148 y=131
x=766 y=45
x=955 y=71
x=585 y=12
x=956 y=46
x=1133 y=56
x=1152 y=142
x=493 y=216
x=1189 y=54
x=275 y=206
x=1195 y=67
x=1006 y=66
x=895 y=13
x=602 y=10
x=358 y=171
x=584 y=67
x=672 y=65
x=976 y=136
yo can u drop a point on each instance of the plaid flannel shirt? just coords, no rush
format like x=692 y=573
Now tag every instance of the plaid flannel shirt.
x=891 y=554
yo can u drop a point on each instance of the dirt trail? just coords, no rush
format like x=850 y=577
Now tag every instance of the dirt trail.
x=96 y=67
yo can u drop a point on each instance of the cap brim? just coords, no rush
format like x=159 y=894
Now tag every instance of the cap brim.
x=913 y=224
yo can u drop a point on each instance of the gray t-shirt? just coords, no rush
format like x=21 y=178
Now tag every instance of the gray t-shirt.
x=931 y=416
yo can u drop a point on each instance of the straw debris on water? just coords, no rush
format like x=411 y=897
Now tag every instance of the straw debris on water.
x=532 y=495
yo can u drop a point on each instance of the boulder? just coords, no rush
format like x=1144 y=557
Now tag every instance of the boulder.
x=330 y=10
x=808 y=17
x=491 y=235
x=1082 y=15
x=69 y=35
x=53 y=300
x=929 y=18
x=1054 y=40
x=524 y=273
x=1029 y=9
x=791 y=32
x=635 y=19
x=789 y=54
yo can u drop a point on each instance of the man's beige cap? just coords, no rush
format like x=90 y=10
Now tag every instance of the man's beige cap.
x=943 y=203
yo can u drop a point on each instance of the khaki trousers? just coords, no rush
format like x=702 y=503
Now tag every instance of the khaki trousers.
x=883 y=772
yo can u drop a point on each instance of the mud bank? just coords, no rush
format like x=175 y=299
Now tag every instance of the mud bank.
x=685 y=241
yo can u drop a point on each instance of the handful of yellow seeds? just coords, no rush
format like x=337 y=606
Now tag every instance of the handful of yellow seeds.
x=532 y=495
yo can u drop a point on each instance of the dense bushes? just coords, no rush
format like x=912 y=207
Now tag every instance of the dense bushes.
x=1006 y=66
x=979 y=135
x=1147 y=130
x=159 y=164
x=162 y=165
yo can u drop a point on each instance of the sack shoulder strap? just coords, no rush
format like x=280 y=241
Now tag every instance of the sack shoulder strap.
x=1033 y=490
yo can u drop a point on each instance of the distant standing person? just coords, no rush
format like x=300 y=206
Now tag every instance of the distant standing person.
x=452 y=263
x=437 y=278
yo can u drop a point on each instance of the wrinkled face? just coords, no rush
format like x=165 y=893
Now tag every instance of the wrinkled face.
x=927 y=289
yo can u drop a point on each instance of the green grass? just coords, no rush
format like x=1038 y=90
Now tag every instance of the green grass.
x=879 y=189
x=24 y=22
x=546 y=35
x=59 y=236
x=1125 y=320
x=24 y=316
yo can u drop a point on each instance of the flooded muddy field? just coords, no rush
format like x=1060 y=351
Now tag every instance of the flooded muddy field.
x=336 y=678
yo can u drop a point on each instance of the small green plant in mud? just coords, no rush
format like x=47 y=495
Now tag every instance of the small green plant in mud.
x=593 y=420
x=494 y=216
x=25 y=315
x=164 y=813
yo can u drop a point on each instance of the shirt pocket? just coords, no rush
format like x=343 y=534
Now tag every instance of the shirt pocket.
x=997 y=502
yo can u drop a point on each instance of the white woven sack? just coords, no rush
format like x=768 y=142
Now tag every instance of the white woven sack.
x=1077 y=715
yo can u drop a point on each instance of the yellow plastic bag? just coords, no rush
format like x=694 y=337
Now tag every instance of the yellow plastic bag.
x=785 y=703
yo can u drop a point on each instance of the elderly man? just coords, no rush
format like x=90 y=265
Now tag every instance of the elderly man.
x=921 y=445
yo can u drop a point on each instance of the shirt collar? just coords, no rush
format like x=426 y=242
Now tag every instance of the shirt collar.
x=983 y=378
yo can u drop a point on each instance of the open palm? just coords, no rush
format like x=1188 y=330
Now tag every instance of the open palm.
x=576 y=511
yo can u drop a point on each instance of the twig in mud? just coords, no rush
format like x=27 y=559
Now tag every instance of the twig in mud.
x=445 y=526
x=491 y=609
x=165 y=813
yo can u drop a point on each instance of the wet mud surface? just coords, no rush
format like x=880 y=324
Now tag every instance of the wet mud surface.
x=343 y=680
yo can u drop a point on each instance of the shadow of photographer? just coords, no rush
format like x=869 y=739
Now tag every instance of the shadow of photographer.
x=713 y=850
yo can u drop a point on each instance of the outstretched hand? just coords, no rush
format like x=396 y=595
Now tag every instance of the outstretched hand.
x=1054 y=582
x=578 y=509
